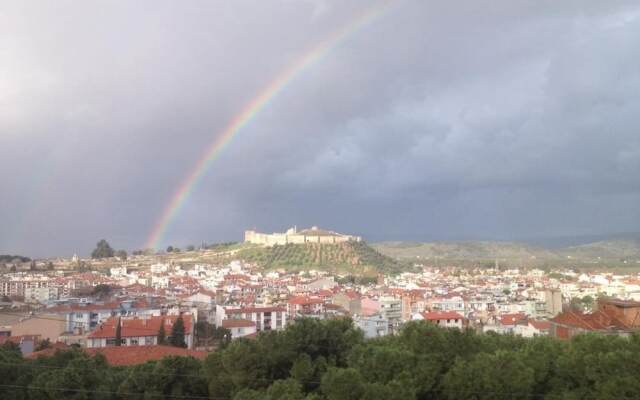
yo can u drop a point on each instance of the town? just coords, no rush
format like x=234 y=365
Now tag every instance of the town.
x=150 y=301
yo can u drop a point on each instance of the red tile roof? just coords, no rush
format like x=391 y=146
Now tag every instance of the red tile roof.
x=130 y=355
x=136 y=327
x=540 y=325
x=439 y=315
x=512 y=319
x=305 y=300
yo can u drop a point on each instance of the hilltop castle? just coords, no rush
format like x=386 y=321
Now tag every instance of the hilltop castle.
x=313 y=235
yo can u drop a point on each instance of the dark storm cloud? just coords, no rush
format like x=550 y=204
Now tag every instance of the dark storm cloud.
x=440 y=120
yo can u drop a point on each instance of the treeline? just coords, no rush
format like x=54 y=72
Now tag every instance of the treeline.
x=331 y=360
x=8 y=258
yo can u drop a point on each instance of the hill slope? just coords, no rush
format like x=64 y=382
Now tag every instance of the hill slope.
x=615 y=250
x=355 y=258
x=470 y=250
x=608 y=249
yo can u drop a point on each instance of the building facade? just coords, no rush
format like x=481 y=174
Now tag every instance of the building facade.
x=293 y=236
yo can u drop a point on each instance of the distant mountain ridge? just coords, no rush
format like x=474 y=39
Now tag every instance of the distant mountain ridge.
x=615 y=249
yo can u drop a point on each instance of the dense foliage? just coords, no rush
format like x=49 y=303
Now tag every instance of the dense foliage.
x=8 y=258
x=102 y=250
x=331 y=360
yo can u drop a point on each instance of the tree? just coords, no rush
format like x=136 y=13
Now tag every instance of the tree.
x=121 y=254
x=101 y=290
x=177 y=333
x=486 y=377
x=170 y=378
x=102 y=250
x=162 y=335
x=32 y=265
x=169 y=249
x=342 y=384
x=43 y=344
x=222 y=336
x=50 y=266
x=288 y=389
x=119 y=333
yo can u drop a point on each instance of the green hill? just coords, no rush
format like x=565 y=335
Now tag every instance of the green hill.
x=469 y=250
x=606 y=249
x=614 y=253
x=357 y=258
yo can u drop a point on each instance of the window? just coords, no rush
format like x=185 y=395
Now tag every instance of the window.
x=78 y=315
x=133 y=341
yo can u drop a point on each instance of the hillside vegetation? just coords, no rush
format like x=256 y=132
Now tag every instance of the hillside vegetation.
x=477 y=250
x=617 y=252
x=349 y=257
x=621 y=249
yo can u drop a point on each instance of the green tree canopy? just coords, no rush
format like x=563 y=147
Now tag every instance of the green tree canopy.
x=102 y=250
x=177 y=333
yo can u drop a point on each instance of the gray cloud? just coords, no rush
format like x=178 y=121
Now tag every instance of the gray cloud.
x=480 y=119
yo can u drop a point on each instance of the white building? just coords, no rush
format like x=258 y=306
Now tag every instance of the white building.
x=265 y=318
x=375 y=325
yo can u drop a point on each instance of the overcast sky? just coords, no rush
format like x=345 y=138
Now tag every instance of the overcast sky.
x=496 y=119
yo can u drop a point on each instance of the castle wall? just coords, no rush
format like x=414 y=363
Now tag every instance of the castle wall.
x=294 y=238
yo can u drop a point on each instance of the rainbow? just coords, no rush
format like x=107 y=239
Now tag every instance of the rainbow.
x=249 y=113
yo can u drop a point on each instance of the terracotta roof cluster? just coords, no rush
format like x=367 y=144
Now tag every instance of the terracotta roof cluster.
x=301 y=300
x=596 y=321
x=540 y=325
x=440 y=315
x=512 y=319
x=130 y=355
x=137 y=327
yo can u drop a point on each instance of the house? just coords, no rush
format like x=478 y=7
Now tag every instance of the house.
x=136 y=331
x=445 y=319
x=350 y=301
x=46 y=326
x=27 y=343
x=265 y=318
x=304 y=305
x=239 y=327
x=612 y=317
x=83 y=317
x=204 y=300
x=375 y=325
x=391 y=308
x=505 y=323
x=533 y=328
